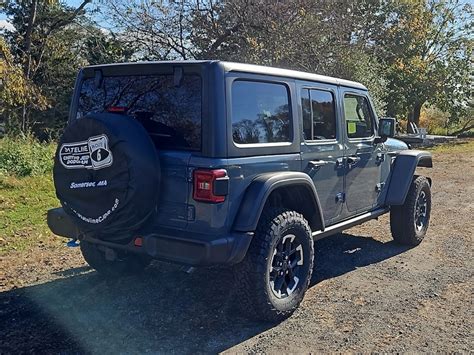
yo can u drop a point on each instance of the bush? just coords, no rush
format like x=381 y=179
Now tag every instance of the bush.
x=25 y=157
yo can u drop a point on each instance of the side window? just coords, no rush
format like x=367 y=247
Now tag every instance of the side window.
x=319 y=117
x=260 y=112
x=359 y=121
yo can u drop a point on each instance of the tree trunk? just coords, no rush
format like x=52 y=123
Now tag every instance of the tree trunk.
x=466 y=127
x=27 y=67
x=414 y=116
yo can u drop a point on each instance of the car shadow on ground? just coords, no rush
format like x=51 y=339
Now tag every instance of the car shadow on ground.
x=342 y=253
x=165 y=310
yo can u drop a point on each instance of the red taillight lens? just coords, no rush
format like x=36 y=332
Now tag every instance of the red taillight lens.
x=138 y=241
x=205 y=183
x=116 y=109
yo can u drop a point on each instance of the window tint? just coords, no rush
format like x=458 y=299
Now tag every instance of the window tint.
x=358 y=116
x=171 y=114
x=260 y=112
x=319 y=118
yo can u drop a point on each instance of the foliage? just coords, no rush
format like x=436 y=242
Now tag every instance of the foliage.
x=15 y=89
x=25 y=157
x=46 y=53
x=315 y=36
x=427 y=46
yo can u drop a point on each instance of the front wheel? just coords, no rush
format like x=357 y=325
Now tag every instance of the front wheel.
x=410 y=221
x=272 y=279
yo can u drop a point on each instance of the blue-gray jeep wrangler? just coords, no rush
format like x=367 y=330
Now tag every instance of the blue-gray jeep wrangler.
x=208 y=162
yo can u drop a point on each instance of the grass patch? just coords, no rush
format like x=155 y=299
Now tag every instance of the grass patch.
x=23 y=206
x=458 y=146
x=25 y=157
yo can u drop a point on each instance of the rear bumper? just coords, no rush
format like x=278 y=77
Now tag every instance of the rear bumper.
x=186 y=248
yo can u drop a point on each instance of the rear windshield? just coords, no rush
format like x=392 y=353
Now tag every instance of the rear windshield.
x=170 y=113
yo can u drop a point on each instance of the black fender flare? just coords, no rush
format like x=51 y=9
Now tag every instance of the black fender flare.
x=402 y=172
x=260 y=189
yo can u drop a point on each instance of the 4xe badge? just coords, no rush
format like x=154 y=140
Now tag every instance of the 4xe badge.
x=93 y=153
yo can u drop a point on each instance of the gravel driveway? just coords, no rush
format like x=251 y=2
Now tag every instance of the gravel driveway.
x=368 y=294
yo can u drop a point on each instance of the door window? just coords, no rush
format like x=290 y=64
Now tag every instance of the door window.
x=319 y=118
x=260 y=112
x=359 y=122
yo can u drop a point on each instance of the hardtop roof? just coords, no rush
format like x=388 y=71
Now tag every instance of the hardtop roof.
x=249 y=68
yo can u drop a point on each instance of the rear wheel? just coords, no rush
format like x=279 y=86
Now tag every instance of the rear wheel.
x=272 y=279
x=410 y=221
x=123 y=264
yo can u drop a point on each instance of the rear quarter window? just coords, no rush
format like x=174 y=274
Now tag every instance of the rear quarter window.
x=260 y=112
x=170 y=113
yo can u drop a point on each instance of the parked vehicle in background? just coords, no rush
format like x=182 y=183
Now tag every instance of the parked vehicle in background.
x=208 y=162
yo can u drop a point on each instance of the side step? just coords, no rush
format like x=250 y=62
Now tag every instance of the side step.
x=339 y=227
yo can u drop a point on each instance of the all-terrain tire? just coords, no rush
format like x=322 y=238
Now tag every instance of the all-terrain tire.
x=405 y=223
x=256 y=295
x=125 y=264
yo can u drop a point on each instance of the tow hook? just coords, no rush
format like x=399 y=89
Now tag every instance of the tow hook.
x=73 y=243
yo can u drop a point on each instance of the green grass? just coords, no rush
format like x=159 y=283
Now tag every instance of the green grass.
x=459 y=146
x=23 y=206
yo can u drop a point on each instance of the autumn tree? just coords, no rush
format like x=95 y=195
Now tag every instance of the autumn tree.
x=40 y=45
x=15 y=91
x=427 y=47
x=327 y=37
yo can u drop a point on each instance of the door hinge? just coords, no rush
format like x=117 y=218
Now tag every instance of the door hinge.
x=379 y=186
x=339 y=163
x=380 y=158
x=341 y=197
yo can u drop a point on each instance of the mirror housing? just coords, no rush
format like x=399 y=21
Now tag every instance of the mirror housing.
x=386 y=129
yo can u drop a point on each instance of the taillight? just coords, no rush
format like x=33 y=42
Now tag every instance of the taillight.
x=210 y=185
x=116 y=109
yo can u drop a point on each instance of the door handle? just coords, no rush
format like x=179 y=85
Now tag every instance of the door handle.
x=317 y=163
x=352 y=160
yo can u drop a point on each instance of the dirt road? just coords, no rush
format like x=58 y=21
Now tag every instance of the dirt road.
x=368 y=294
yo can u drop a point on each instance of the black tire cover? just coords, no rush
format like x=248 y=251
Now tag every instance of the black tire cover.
x=107 y=174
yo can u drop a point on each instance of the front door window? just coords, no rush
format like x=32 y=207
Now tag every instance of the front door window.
x=359 y=122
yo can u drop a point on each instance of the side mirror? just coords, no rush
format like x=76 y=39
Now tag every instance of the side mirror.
x=386 y=129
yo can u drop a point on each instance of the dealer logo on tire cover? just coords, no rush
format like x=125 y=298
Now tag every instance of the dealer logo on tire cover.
x=93 y=153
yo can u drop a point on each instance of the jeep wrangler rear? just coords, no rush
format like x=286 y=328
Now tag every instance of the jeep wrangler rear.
x=208 y=162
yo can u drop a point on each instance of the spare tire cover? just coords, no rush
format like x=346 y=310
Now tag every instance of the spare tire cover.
x=106 y=174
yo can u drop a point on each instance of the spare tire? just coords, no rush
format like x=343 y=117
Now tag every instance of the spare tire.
x=107 y=174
